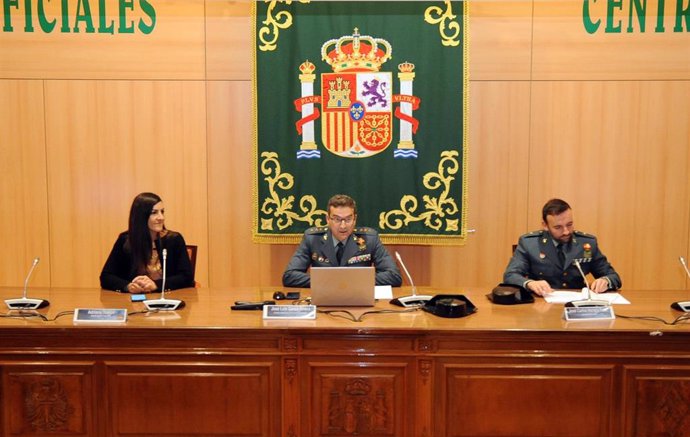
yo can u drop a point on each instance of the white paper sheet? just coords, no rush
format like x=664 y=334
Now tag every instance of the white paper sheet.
x=560 y=296
x=383 y=292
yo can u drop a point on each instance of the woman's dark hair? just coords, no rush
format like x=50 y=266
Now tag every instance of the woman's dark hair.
x=139 y=236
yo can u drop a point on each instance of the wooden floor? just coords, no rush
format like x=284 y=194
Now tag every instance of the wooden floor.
x=209 y=371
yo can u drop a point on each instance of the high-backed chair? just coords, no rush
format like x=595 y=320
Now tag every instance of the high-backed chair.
x=191 y=251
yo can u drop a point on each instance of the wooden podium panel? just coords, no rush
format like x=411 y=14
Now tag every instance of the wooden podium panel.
x=656 y=400
x=45 y=399
x=192 y=399
x=359 y=397
x=517 y=400
x=209 y=371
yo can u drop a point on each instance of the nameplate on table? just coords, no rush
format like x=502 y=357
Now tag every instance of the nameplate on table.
x=284 y=312
x=100 y=315
x=589 y=313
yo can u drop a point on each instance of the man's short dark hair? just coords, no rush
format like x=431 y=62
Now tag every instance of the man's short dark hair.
x=554 y=207
x=341 y=200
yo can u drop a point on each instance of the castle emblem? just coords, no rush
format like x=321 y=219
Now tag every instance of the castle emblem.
x=357 y=101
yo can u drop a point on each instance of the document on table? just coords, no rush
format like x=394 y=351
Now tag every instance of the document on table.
x=562 y=296
x=383 y=292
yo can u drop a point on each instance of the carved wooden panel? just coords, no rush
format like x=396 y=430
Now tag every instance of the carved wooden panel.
x=349 y=344
x=291 y=393
x=657 y=401
x=520 y=400
x=358 y=399
x=193 y=399
x=424 y=397
x=46 y=401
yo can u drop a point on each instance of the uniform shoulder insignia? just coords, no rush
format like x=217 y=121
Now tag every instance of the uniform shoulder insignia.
x=364 y=231
x=584 y=234
x=533 y=234
x=315 y=230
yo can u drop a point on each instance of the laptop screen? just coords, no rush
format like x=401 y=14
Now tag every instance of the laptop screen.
x=342 y=286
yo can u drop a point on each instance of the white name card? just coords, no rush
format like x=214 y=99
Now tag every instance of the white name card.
x=589 y=313
x=100 y=315
x=282 y=312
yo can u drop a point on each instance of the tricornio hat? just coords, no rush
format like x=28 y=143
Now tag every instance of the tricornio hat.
x=508 y=294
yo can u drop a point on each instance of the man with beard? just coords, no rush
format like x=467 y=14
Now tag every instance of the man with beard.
x=544 y=260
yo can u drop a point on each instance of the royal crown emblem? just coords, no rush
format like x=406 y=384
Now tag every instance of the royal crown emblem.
x=356 y=53
x=357 y=100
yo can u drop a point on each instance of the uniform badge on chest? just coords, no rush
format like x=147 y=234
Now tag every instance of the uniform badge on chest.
x=588 y=250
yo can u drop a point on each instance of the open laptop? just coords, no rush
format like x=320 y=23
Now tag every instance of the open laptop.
x=342 y=286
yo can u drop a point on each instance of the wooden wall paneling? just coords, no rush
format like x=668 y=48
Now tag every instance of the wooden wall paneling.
x=90 y=178
x=621 y=160
x=24 y=205
x=174 y=49
x=687 y=209
x=229 y=50
x=235 y=259
x=498 y=160
x=500 y=34
x=563 y=49
x=280 y=256
x=107 y=142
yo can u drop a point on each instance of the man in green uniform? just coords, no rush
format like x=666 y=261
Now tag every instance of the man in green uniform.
x=545 y=260
x=341 y=244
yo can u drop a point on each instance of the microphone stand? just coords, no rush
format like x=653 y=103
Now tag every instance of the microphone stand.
x=414 y=300
x=24 y=303
x=682 y=305
x=589 y=302
x=164 y=304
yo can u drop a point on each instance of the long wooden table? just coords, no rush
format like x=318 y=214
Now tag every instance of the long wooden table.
x=208 y=371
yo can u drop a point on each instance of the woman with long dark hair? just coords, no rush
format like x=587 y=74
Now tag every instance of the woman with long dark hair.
x=135 y=262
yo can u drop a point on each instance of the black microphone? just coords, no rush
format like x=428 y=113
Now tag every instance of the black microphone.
x=413 y=300
x=24 y=303
x=164 y=304
x=682 y=305
x=589 y=302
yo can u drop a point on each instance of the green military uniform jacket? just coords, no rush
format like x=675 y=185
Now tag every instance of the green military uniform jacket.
x=362 y=248
x=536 y=258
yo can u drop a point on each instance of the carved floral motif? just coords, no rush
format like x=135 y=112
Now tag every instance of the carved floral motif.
x=290 y=369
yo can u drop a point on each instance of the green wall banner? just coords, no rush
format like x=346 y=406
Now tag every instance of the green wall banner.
x=367 y=99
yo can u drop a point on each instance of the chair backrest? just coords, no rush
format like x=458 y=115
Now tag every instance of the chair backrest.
x=191 y=251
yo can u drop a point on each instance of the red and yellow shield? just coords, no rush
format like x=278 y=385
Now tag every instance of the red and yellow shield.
x=357 y=119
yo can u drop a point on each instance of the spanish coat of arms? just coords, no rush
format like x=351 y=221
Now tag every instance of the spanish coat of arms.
x=357 y=101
